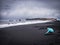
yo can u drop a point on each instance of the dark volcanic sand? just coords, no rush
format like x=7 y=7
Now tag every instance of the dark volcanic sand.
x=30 y=35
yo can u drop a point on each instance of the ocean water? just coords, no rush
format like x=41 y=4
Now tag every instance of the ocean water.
x=16 y=21
x=9 y=23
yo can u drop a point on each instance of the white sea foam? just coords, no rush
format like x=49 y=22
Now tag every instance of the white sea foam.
x=23 y=23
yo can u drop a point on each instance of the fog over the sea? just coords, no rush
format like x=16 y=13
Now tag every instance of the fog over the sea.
x=15 y=9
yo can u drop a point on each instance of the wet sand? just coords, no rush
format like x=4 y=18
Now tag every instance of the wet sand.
x=33 y=34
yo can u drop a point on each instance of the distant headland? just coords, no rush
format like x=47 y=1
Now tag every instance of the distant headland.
x=53 y=19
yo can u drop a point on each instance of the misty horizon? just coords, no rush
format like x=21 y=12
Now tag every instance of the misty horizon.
x=22 y=9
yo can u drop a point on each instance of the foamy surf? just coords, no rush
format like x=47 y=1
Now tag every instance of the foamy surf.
x=23 y=23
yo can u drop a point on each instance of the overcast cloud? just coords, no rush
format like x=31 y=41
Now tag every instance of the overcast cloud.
x=13 y=9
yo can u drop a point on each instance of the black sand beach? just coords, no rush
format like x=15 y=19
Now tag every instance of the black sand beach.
x=33 y=34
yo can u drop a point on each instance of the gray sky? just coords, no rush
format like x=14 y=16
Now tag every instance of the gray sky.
x=14 y=9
